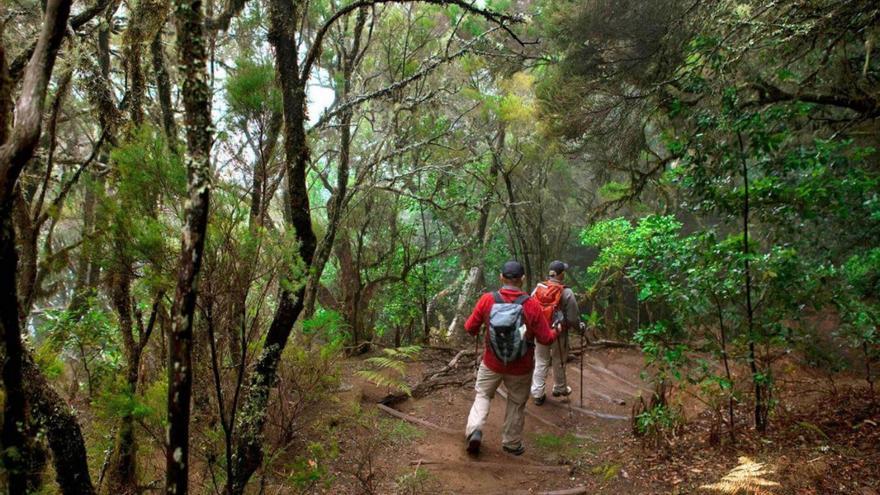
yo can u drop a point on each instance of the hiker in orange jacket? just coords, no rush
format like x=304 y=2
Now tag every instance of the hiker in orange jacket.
x=513 y=322
x=561 y=310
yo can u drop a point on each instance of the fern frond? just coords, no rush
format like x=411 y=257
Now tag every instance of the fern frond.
x=410 y=351
x=374 y=377
x=381 y=380
x=406 y=352
x=387 y=363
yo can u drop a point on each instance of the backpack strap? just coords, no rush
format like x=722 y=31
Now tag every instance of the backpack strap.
x=521 y=299
x=498 y=299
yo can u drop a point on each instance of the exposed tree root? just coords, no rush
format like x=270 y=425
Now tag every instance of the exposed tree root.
x=418 y=421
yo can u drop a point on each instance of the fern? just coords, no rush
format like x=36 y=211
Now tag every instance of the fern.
x=387 y=363
x=390 y=370
x=410 y=352
x=382 y=380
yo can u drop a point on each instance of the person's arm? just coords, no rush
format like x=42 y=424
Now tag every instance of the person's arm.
x=570 y=305
x=478 y=317
x=537 y=324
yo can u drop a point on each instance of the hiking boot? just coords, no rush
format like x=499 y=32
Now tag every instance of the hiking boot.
x=473 y=442
x=515 y=450
x=539 y=401
x=565 y=392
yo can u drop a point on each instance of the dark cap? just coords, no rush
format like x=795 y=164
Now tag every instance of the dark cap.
x=512 y=270
x=558 y=267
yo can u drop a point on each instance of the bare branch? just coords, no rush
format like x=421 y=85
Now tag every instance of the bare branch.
x=76 y=22
x=502 y=20
x=356 y=101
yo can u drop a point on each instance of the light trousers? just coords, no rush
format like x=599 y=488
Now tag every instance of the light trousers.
x=517 y=395
x=555 y=353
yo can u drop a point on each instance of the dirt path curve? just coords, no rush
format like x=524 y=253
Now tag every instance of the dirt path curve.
x=554 y=433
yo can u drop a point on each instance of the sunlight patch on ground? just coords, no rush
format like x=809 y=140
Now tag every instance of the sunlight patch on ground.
x=749 y=477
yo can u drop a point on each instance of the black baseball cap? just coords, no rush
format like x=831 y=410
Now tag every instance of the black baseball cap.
x=558 y=266
x=512 y=270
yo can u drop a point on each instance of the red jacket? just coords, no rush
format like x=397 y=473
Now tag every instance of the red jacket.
x=536 y=326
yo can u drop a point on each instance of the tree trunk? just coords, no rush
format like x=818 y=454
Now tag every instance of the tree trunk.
x=192 y=53
x=122 y=477
x=474 y=280
x=84 y=266
x=14 y=413
x=16 y=149
x=761 y=401
x=731 y=427
x=283 y=19
x=26 y=239
x=466 y=298
x=163 y=89
x=63 y=433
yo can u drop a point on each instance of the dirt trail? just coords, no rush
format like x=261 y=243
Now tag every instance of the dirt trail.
x=611 y=381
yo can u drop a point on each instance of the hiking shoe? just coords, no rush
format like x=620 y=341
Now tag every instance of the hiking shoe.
x=473 y=442
x=514 y=450
x=563 y=393
x=539 y=401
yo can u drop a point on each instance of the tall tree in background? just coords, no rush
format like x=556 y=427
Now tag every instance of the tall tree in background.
x=192 y=51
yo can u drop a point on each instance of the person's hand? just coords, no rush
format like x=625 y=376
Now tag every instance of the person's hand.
x=582 y=328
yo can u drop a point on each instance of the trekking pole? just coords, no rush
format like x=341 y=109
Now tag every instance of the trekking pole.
x=583 y=347
x=563 y=364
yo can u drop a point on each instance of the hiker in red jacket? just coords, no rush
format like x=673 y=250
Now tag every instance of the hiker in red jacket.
x=513 y=322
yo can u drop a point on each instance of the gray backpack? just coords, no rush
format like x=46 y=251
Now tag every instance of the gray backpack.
x=507 y=328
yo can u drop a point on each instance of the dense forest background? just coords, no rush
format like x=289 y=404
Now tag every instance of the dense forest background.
x=211 y=211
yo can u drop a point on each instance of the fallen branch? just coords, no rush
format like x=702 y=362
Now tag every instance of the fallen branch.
x=589 y=412
x=568 y=491
x=612 y=344
x=617 y=377
x=500 y=465
x=452 y=364
x=599 y=415
x=428 y=386
x=441 y=348
x=600 y=344
x=418 y=421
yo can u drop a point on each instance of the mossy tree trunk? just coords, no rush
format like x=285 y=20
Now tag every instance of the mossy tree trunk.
x=17 y=145
x=192 y=54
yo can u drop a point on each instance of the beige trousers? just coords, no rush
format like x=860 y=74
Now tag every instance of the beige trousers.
x=517 y=395
x=557 y=353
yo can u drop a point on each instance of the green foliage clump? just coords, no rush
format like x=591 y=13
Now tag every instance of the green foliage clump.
x=89 y=335
x=251 y=90
x=313 y=469
x=657 y=421
x=420 y=480
x=606 y=472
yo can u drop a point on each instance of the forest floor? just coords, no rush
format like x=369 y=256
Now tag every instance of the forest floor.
x=824 y=439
